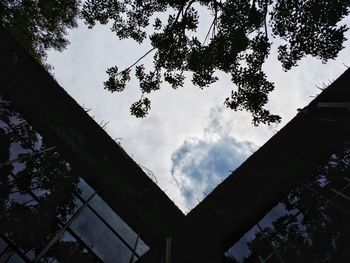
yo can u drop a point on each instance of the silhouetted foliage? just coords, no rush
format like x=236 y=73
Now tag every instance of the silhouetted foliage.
x=39 y=25
x=238 y=43
x=37 y=192
x=314 y=227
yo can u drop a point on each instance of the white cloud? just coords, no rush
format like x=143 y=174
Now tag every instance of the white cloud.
x=201 y=163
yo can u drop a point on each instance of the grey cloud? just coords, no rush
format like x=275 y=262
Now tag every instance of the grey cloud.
x=200 y=164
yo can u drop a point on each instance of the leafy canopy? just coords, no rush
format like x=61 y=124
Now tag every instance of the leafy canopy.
x=238 y=43
x=39 y=24
x=312 y=222
x=37 y=194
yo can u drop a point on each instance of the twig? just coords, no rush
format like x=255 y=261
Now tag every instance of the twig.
x=206 y=37
x=137 y=61
x=188 y=6
x=319 y=88
x=149 y=173
x=152 y=49
x=265 y=22
x=86 y=109
x=118 y=140
x=177 y=16
x=103 y=124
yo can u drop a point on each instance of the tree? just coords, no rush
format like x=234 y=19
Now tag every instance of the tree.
x=39 y=25
x=238 y=43
x=314 y=226
x=37 y=193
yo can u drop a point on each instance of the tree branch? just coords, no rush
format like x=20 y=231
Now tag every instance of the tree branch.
x=265 y=22
x=212 y=24
x=138 y=60
x=188 y=6
x=152 y=49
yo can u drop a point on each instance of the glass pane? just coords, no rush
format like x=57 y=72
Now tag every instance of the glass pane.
x=40 y=192
x=118 y=224
x=310 y=224
x=37 y=186
x=85 y=190
x=102 y=241
x=68 y=249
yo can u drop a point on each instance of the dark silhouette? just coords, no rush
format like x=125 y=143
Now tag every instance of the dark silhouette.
x=238 y=40
x=39 y=25
x=38 y=191
x=314 y=227
x=238 y=43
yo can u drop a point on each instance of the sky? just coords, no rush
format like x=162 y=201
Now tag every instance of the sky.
x=189 y=140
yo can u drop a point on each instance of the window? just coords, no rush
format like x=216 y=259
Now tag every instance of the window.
x=48 y=213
